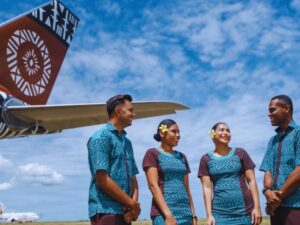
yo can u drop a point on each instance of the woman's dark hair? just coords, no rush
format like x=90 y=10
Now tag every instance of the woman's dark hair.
x=168 y=123
x=217 y=124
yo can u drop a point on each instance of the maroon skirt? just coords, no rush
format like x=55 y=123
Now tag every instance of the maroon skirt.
x=108 y=219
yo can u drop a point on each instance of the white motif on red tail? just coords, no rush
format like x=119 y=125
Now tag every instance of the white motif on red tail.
x=34 y=62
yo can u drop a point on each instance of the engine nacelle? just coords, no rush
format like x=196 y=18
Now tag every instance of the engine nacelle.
x=10 y=120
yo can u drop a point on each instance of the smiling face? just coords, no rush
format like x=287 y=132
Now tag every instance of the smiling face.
x=125 y=113
x=279 y=112
x=170 y=137
x=222 y=134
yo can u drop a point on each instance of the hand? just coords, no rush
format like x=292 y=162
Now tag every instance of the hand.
x=128 y=217
x=269 y=211
x=170 y=220
x=279 y=195
x=135 y=209
x=210 y=221
x=256 y=216
x=272 y=199
x=194 y=221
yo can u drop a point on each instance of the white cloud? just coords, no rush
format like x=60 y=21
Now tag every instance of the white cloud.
x=295 y=4
x=110 y=7
x=37 y=173
x=5 y=164
x=7 y=185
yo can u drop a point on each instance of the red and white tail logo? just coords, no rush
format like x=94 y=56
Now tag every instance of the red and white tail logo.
x=32 y=50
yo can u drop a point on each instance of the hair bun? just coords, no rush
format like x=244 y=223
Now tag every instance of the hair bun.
x=157 y=137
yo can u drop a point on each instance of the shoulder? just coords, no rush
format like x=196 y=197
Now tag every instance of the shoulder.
x=103 y=134
x=152 y=152
x=181 y=154
x=150 y=158
x=272 y=138
x=241 y=152
x=297 y=129
x=128 y=140
x=205 y=158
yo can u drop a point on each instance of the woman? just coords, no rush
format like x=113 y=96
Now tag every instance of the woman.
x=167 y=175
x=227 y=174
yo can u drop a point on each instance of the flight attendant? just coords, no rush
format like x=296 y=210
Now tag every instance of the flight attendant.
x=228 y=180
x=167 y=175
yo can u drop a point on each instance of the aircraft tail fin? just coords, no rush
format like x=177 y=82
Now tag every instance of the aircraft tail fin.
x=32 y=49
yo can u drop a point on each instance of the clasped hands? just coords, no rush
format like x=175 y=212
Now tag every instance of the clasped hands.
x=274 y=199
x=132 y=211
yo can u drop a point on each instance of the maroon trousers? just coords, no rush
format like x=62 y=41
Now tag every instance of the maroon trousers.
x=108 y=219
x=286 y=216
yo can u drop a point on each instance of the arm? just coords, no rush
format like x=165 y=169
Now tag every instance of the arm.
x=135 y=195
x=291 y=185
x=187 y=187
x=207 y=195
x=293 y=181
x=130 y=215
x=109 y=186
x=273 y=201
x=152 y=179
x=256 y=213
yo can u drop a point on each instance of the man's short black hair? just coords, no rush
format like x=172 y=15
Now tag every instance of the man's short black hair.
x=286 y=100
x=114 y=101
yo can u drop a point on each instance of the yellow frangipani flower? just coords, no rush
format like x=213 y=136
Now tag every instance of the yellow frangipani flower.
x=163 y=128
x=212 y=133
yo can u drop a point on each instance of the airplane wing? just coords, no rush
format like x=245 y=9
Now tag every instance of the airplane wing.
x=60 y=117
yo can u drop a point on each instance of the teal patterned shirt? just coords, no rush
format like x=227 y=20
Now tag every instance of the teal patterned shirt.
x=281 y=158
x=113 y=153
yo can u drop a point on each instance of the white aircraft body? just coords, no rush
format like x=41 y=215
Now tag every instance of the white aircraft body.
x=21 y=217
x=14 y=217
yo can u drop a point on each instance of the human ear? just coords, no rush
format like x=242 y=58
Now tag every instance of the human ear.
x=161 y=134
x=287 y=108
x=118 y=111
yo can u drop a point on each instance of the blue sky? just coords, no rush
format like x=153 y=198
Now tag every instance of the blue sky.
x=224 y=59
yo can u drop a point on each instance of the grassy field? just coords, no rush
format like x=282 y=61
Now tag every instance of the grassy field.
x=200 y=222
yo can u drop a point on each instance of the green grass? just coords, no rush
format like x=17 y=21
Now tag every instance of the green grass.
x=200 y=222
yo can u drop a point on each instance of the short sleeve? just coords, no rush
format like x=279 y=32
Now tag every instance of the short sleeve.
x=297 y=149
x=99 y=151
x=266 y=165
x=150 y=159
x=135 y=170
x=203 y=167
x=188 y=170
x=247 y=162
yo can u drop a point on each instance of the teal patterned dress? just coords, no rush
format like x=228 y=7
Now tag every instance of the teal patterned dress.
x=171 y=171
x=232 y=200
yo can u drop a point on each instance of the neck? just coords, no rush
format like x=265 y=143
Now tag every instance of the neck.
x=284 y=125
x=117 y=124
x=166 y=148
x=222 y=149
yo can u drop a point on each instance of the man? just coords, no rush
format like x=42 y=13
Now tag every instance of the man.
x=113 y=195
x=281 y=165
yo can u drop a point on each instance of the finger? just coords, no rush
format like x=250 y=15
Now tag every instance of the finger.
x=278 y=192
x=260 y=220
x=257 y=219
